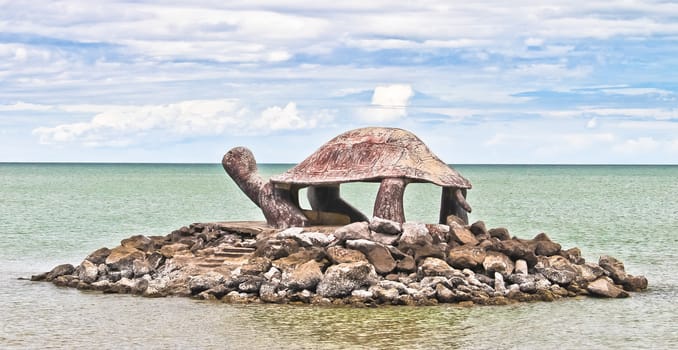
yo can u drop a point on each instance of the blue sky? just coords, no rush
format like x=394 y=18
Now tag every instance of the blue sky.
x=480 y=82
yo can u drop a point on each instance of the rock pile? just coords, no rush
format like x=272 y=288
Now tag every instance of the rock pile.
x=363 y=263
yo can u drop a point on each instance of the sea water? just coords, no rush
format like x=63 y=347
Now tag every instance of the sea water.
x=58 y=213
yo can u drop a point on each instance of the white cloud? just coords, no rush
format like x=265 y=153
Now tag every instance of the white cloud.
x=592 y=123
x=637 y=146
x=125 y=125
x=389 y=103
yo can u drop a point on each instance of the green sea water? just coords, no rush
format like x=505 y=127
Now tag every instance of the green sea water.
x=58 y=213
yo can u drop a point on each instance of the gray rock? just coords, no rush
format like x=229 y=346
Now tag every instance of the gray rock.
x=384 y=238
x=614 y=267
x=500 y=232
x=251 y=284
x=465 y=256
x=139 y=242
x=341 y=255
x=384 y=295
x=377 y=254
x=200 y=283
x=499 y=284
x=604 y=287
x=385 y=226
x=444 y=294
x=634 y=283
x=521 y=267
x=544 y=246
x=58 y=271
x=436 y=267
x=88 y=272
x=479 y=230
x=340 y=280
x=140 y=268
x=356 y=230
x=415 y=234
x=268 y=293
x=99 y=256
x=498 y=262
x=305 y=276
x=462 y=235
x=439 y=232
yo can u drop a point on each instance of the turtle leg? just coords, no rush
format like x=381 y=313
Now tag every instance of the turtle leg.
x=389 y=202
x=328 y=199
x=279 y=209
x=453 y=202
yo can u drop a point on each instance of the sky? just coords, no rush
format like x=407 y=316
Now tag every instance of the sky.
x=484 y=82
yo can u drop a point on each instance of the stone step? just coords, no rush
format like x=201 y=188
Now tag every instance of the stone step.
x=210 y=265
x=237 y=250
x=231 y=255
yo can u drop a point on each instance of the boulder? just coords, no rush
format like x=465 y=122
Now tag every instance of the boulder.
x=251 y=284
x=465 y=256
x=377 y=254
x=462 y=235
x=88 y=271
x=140 y=242
x=453 y=219
x=588 y=272
x=573 y=255
x=256 y=266
x=634 y=283
x=414 y=234
x=385 y=226
x=515 y=249
x=384 y=238
x=291 y=261
x=498 y=262
x=500 y=232
x=444 y=294
x=406 y=264
x=58 y=271
x=340 y=255
x=342 y=279
x=604 y=287
x=436 y=267
x=521 y=267
x=170 y=250
x=203 y=282
x=268 y=293
x=614 y=267
x=306 y=239
x=356 y=230
x=99 y=256
x=140 y=267
x=305 y=276
x=121 y=258
x=557 y=269
x=544 y=246
x=479 y=230
x=440 y=233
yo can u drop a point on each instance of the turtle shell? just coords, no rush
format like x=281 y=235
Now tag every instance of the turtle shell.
x=370 y=155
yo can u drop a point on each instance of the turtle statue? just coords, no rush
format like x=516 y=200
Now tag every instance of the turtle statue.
x=390 y=156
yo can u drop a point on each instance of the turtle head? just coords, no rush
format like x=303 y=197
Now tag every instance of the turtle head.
x=241 y=166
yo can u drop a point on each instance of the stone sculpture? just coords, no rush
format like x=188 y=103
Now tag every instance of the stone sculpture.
x=393 y=157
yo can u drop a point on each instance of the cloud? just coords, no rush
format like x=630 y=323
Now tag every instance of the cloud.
x=637 y=146
x=592 y=123
x=389 y=103
x=126 y=125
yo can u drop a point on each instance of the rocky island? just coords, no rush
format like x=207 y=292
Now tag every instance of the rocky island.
x=359 y=264
x=332 y=253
